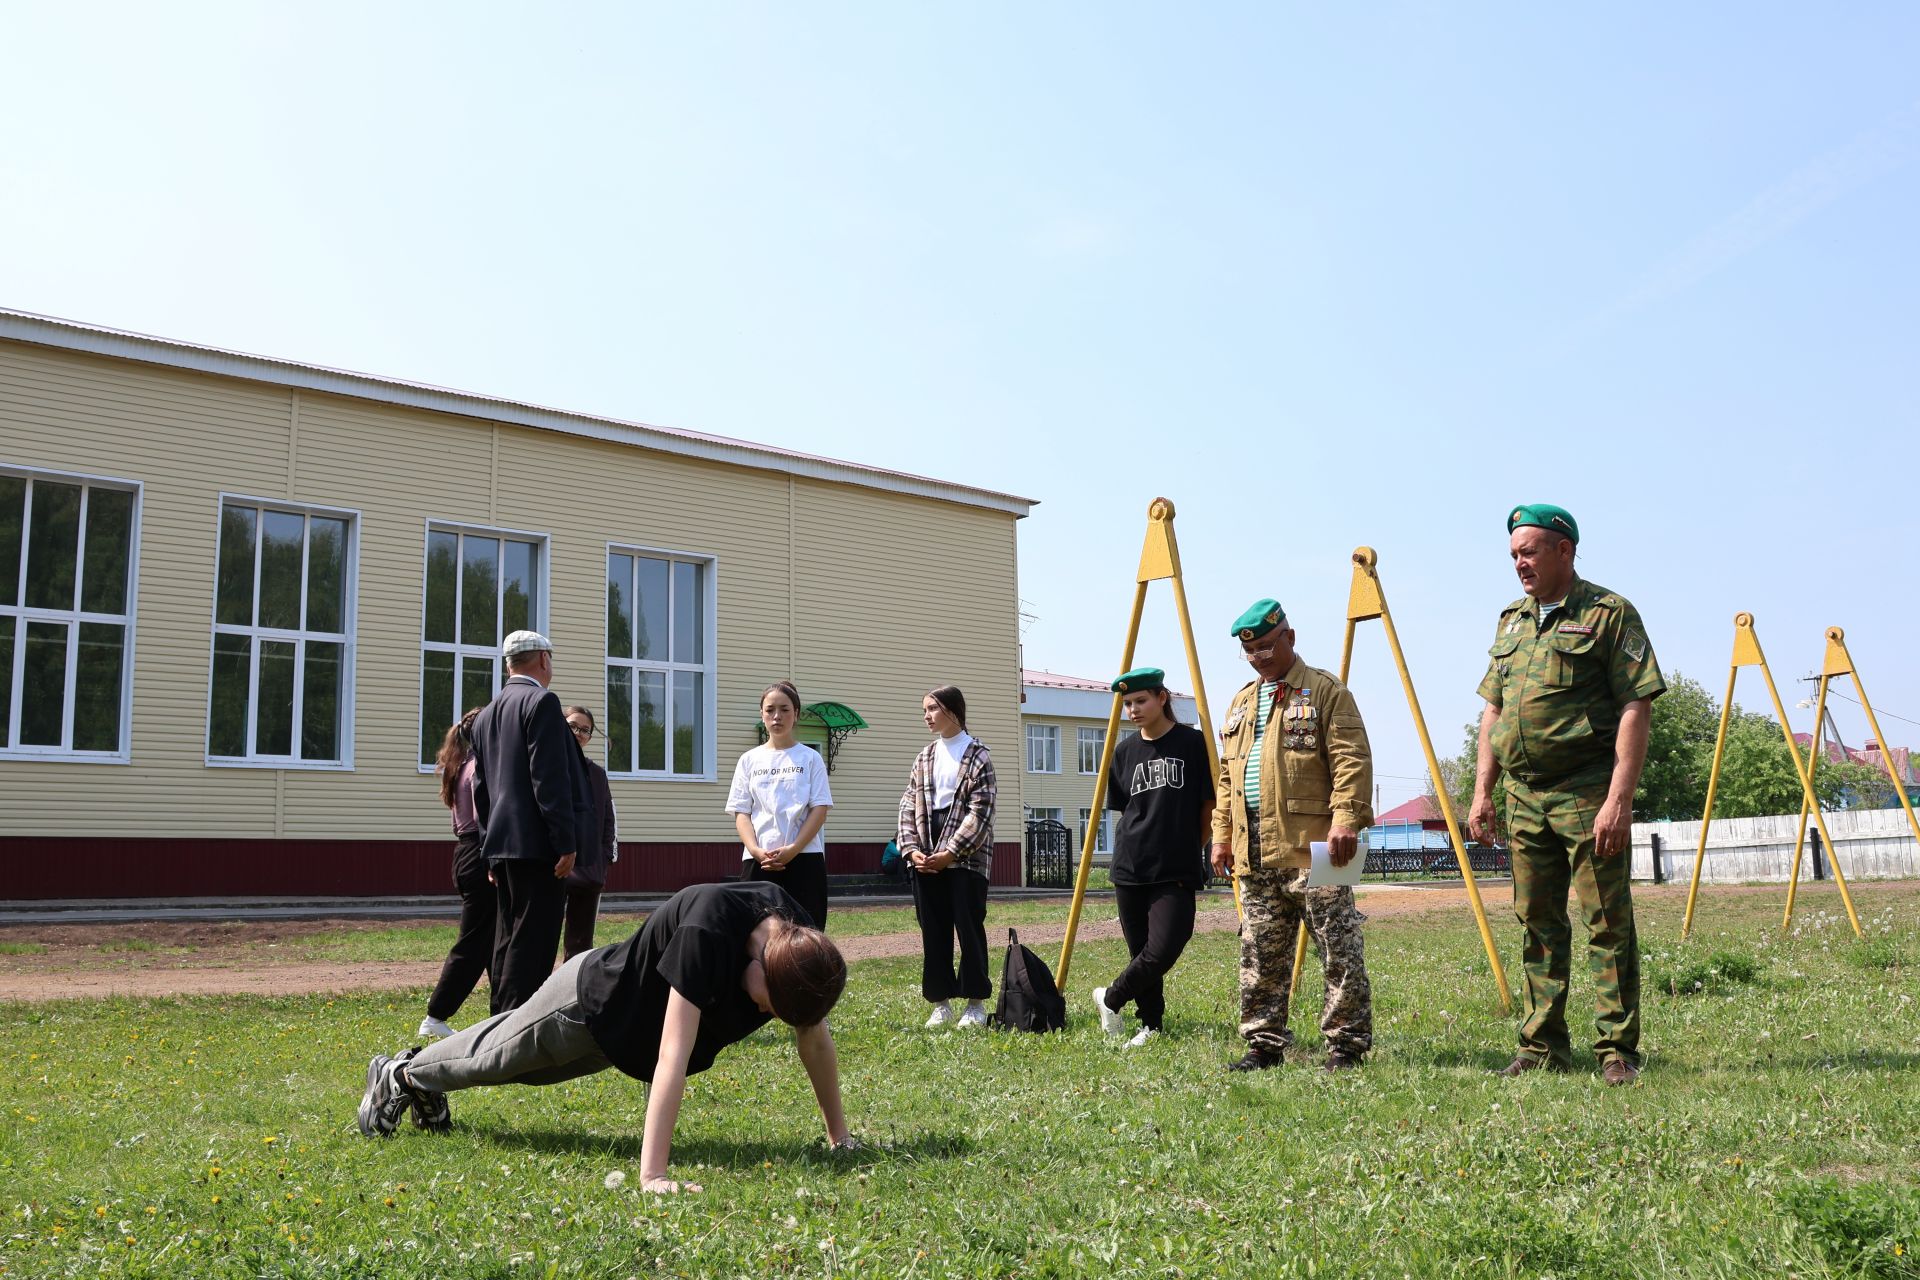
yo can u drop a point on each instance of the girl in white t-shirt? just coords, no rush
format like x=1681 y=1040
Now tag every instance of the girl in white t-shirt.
x=779 y=802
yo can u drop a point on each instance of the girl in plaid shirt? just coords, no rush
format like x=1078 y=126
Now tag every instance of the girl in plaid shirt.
x=946 y=835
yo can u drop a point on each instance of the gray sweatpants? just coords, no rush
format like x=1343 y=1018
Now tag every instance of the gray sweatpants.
x=544 y=1041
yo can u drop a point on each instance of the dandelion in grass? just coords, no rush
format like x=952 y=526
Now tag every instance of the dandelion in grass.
x=616 y=1180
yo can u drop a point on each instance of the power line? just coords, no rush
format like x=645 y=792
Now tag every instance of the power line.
x=1891 y=715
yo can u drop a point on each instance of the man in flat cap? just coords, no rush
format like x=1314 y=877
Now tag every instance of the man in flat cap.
x=1295 y=768
x=1570 y=685
x=531 y=798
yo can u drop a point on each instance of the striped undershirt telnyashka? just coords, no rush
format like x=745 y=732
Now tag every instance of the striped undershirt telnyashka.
x=1260 y=713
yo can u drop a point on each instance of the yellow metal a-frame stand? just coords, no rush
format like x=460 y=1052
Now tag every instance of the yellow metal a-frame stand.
x=1365 y=600
x=1746 y=653
x=1159 y=558
x=1839 y=663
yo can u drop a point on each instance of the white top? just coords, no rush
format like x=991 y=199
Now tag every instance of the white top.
x=777 y=789
x=946 y=767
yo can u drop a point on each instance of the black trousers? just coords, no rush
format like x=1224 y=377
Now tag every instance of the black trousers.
x=805 y=879
x=532 y=903
x=952 y=902
x=583 y=908
x=1157 y=921
x=472 y=951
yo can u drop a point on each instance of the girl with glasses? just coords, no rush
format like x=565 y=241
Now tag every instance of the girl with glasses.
x=599 y=845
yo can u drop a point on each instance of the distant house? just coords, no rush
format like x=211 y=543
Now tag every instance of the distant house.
x=1871 y=756
x=1417 y=824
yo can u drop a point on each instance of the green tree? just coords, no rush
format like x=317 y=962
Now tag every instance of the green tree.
x=1756 y=775
x=1680 y=737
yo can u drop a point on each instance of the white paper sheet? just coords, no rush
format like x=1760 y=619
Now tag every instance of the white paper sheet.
x=1323 y=872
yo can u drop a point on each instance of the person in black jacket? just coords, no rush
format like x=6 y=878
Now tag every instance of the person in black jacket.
x=532 y=800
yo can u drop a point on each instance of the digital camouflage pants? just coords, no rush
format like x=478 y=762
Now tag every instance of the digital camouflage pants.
x=1553 y=848
x=1274 y=901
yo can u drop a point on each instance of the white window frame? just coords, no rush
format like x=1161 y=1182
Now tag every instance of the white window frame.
x=544 y=568
x=1083 y=736
x=123 y=752
x=1047 y=813
x=1103 y=842
x=349 y=617
x=708 y=666
x=1047 y=735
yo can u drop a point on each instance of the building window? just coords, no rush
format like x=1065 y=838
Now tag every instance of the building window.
x=660 y=609
x=482 y=585
x=67 y=554
x=1092 y=743
x=282 y=687
x=1046 y=815
x=1043 y=748
x=1103 y=834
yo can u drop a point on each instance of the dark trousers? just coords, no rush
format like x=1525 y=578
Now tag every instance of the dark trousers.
x=952 y=902
x=472 y=951
x=1157 y=921
x=583 y=908
x=804 y=879
x=532 y=904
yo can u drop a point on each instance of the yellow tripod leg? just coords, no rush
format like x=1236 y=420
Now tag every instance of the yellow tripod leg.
x=1746 y=652
x=1099 y=797
x=1800 y=836
x=1806 y=789
x=1837 y=637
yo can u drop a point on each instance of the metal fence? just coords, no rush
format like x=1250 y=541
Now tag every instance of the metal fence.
x=1485 y=860
x=1050 y=855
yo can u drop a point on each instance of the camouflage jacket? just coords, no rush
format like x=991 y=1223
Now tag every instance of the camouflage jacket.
x=1559 y=688
x=1316 y=769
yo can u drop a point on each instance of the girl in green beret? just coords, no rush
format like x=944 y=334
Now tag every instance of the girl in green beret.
x=1162 y=784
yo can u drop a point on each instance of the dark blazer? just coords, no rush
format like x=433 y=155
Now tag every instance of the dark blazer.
x=530 y=795
x=596 y=831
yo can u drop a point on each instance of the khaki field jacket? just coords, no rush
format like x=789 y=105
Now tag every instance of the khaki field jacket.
x=1316 y=769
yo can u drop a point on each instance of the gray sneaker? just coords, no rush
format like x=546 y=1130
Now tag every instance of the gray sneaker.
x=384 y=1099
x=429 y=1108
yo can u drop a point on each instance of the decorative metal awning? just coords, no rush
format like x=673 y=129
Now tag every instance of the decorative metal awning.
x=837 y=719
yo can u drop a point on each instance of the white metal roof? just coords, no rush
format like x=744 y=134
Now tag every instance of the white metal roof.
x=71 y=335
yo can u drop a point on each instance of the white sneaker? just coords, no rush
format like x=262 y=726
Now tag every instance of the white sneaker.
x=432 y=1026
x=974 y=1015
x=942 y=1015
x=1140 y=1038
x=1111 y=1020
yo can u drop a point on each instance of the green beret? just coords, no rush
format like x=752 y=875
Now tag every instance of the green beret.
x=1544 y=515
x=1261 y=617
x=1141 y=680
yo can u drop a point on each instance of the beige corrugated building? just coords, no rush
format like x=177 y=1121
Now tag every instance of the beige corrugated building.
x=1063 y=723
x=243 y=596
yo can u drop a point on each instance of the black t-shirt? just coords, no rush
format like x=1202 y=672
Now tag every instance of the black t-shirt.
x=1161 y=788
x=696 y=944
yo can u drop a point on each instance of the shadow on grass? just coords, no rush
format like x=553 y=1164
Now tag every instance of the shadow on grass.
x=738 y=1153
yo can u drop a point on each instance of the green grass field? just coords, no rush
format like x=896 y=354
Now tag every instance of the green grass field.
x=1773 y=1134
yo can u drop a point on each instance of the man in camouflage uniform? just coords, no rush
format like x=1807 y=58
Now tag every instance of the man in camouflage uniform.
x=1569 y=691
x=1294 y=768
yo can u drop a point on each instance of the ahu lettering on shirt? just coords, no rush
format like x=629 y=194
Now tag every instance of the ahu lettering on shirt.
x=1152 y=775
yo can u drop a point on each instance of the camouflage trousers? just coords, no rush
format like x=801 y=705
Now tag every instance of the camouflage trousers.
x=1553 y=848
x=1274 y=901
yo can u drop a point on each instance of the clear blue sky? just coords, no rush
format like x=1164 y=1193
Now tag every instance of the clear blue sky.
x=1324 y=276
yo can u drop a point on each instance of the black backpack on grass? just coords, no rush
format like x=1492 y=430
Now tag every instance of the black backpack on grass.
x=1029 y=1000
